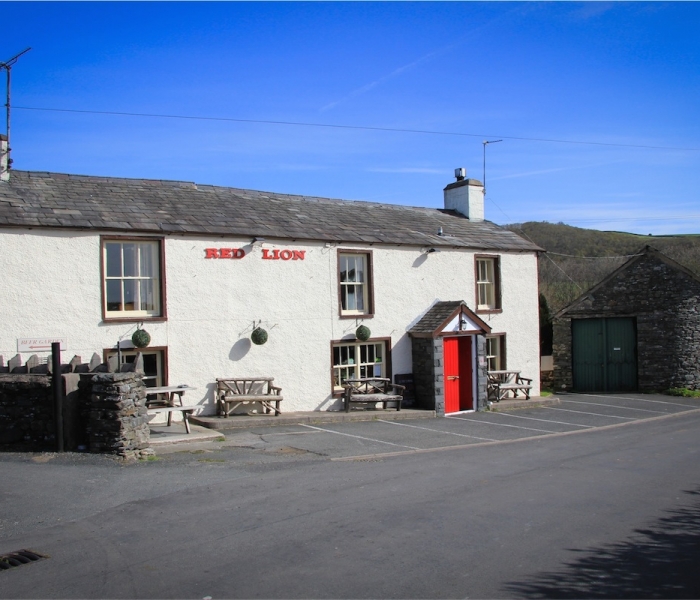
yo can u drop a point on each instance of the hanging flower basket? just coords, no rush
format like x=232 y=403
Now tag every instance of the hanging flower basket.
x=259 y=336
x=141 y=338
x=363 y=333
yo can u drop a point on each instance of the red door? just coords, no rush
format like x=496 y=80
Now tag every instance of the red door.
x=457 y=353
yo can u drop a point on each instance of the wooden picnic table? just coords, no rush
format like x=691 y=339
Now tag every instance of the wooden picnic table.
x=505 y=382
x=169 y=400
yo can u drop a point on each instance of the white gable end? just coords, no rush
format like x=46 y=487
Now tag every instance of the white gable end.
x=461 y=322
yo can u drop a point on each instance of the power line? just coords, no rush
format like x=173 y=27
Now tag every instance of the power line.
x=605 y=220
x=594 y=257
x=355 y=127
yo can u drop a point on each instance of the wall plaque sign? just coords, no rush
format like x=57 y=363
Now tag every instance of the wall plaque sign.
x=39 y=343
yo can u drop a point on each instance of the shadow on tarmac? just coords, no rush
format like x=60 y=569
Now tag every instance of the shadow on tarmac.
x=658 y=562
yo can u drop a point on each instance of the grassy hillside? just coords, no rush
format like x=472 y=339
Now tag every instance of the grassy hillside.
x=590 y=255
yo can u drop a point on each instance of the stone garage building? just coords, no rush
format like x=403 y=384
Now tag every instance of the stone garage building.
x=638 y=329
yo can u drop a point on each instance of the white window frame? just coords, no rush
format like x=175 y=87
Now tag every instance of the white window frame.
x=348 y=361
x=141 y=285
x=495 y=352
x=355 y=290
x=487 y=284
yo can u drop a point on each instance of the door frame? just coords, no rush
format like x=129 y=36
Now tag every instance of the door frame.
x=473 y=371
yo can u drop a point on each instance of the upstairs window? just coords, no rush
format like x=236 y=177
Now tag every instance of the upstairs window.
x=488 y=292
x=355 y=283
x=132 y=285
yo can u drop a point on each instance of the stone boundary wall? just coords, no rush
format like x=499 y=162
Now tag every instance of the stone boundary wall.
x=26 y=412
x=103 y=412
x=118 y=422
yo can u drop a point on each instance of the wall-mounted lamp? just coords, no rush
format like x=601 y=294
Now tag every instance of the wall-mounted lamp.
x=430 y=250
x=259 y=240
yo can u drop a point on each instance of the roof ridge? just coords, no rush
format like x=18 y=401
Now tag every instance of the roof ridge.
x=196 y=185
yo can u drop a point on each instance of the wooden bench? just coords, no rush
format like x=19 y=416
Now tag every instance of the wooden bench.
x=371 y=390
x=231 y=393
x=502 y=384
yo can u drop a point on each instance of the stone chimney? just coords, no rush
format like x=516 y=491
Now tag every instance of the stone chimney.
x=466 y=196
x=4 y=156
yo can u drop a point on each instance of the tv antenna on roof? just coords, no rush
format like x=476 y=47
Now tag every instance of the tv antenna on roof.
x=485 y=143
x=7 y=65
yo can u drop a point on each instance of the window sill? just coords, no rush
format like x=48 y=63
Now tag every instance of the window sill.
x=356 y=316
x=141 y=319
x=488 y=311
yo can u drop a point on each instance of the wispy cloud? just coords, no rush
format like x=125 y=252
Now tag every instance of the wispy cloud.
x=418 y=170
x=622 y=216
x=395 y=73
x=556 y=170
x=588 y=10
x=469 y=36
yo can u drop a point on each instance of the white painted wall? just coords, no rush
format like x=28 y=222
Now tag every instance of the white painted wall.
x=51 y=288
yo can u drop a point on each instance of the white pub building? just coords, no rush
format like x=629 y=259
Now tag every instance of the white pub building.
x=88 y=260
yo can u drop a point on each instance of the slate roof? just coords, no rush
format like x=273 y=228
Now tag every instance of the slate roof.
x=439 y=313
x=436 y=316
x=55 y=200
x=643 y=253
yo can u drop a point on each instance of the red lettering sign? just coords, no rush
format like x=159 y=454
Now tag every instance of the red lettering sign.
x=224 y=253
x=283 y=254
x=266 y=254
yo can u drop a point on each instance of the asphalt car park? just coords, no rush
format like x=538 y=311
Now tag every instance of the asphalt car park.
x=381 y=438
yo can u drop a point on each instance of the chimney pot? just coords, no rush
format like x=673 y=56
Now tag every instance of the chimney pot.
x=466 y=196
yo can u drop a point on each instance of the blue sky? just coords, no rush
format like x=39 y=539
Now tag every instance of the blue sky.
x=620 y=79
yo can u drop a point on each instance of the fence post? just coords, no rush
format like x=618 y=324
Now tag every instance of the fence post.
x=57 y=386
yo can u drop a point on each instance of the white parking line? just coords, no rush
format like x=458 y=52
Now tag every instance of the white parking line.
x=658 y=412
x=290 y=433
x=520 y=440
x=581 y=412
x=437 y=430
x=498 y=424
x=543 y=420
x=640 y=400
x=359 y=437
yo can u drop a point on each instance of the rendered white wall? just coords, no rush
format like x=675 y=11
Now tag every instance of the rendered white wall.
x=52 y=288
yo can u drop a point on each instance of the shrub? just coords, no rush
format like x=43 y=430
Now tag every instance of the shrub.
x=685 y=392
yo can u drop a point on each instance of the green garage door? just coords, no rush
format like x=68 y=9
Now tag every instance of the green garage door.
x=604 y=355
